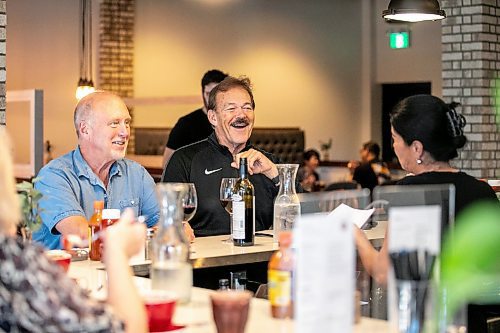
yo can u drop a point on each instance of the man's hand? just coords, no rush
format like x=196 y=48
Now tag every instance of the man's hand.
x=188 y=231
x=73 y=225
x=257 y=163
x=352 y=165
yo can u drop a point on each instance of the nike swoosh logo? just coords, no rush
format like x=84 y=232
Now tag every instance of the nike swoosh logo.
x=209 y=172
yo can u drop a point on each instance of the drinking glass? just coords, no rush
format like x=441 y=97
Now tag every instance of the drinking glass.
x=190 y=202
x=226 y=193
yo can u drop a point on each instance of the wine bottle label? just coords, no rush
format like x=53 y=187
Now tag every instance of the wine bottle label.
x=238 y=219
x=253 y=213
x=280 y=287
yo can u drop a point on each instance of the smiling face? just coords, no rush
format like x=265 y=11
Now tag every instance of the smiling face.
x=233 y=118
x=104 y=136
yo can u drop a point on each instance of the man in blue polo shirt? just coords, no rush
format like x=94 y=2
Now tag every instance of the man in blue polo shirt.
x=95 y=170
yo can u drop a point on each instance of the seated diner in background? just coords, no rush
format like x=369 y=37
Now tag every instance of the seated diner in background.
x=426 y=134
x=36 y=295
x=371 y=171
x=307 y=175
x=231 y=112
x=95 y=170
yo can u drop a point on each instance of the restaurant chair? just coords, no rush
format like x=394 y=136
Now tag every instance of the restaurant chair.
x=352 y=185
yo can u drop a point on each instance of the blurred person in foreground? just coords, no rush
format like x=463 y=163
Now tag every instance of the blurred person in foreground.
x=307 y=175
x=194 y=126
x=426 y=134
x=36 y=295
x=371 y=171
x=231 y=112
x=96 y=170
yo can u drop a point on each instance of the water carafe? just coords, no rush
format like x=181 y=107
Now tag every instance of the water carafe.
x=170 y=267
x=286 y=204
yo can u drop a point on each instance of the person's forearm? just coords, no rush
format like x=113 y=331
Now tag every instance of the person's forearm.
x=73 y=225
x=122 y=293
x=373 y=261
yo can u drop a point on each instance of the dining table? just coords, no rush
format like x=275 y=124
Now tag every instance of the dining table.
x=214 y=251
x=196 y=316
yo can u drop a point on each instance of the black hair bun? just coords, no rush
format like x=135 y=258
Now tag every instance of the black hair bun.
x=459 y=141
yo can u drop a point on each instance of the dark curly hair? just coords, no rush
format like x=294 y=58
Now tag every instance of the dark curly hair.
x=431 y=121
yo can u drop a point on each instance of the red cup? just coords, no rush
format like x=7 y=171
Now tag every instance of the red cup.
x=160 y=306
x=60 y=257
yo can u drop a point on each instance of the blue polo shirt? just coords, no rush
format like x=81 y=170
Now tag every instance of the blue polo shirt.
x=70 y=187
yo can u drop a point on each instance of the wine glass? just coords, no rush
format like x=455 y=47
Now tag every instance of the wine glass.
x=190 y=202
x=226 y=193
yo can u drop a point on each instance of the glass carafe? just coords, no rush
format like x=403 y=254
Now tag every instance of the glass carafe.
x=170 y=268
x=286 y=204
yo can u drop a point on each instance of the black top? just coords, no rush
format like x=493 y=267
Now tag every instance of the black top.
x=190 y=128
x=205 y=163
x=365 y=176
x=468 y=189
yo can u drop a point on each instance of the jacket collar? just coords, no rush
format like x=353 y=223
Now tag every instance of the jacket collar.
x=212 y=139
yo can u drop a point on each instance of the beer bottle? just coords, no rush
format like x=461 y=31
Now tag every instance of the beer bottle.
x=280 y=279
x=94 y=227
x=243 y=208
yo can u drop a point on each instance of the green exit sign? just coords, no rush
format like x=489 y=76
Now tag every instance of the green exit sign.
x=399 y=40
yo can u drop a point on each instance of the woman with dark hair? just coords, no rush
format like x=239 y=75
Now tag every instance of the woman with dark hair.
x=426 y=134
x=307 y=175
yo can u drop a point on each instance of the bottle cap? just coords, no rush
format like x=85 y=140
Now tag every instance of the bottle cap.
x=285 y=238
x=110 y=214
x=98 y=204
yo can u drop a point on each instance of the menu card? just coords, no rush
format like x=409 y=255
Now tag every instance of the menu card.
x=356 y=216
x=415 y=228
x=324 y=274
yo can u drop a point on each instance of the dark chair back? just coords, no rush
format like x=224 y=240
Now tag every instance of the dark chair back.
x=342 y=186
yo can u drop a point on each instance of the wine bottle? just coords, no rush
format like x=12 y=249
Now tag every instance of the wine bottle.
x=243 y=208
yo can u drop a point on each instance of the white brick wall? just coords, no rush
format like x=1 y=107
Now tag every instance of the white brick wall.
x=471 y=64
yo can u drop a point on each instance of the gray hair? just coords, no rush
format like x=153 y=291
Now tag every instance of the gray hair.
x=84 y=108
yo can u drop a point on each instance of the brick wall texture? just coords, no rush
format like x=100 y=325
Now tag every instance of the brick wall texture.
x=471 y=64
x=116 y=49
x=3 y=72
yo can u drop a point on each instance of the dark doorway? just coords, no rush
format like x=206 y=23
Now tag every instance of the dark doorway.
x=391 y=95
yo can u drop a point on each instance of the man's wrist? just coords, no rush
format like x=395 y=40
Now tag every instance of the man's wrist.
x=276 y=180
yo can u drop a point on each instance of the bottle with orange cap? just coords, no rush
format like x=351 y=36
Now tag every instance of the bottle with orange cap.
x=94 y=227
x=280 y=278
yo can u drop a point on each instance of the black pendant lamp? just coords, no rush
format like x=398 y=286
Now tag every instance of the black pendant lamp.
x=413 y=11
x=85 y=83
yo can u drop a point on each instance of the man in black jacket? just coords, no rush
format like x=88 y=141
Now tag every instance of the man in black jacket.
x=205 y=163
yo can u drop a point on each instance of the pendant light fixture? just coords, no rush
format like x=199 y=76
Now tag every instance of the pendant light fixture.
x=85 y=83
x=413 y=11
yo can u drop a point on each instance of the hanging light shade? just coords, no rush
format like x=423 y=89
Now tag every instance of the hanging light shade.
x=413 y=11
x=85 y=83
